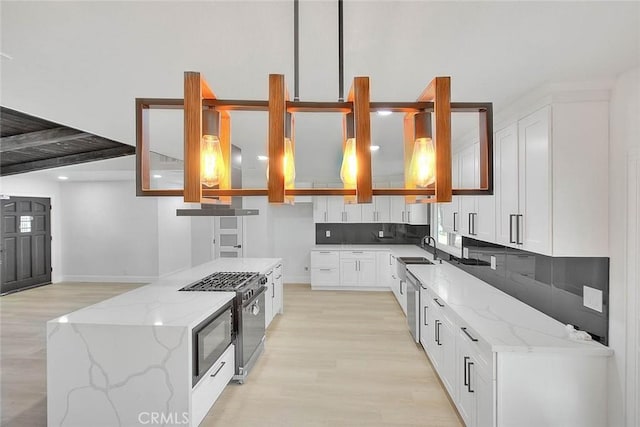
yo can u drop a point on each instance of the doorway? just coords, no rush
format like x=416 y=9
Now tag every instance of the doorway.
x=25 y=243
x=228 y=237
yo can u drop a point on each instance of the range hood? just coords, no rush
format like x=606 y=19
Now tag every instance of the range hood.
x=235 y=208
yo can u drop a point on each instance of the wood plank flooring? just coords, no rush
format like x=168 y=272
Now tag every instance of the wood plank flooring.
x=333 y=359
x=337 y=358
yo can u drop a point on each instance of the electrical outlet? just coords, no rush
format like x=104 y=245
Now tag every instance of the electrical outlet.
x=493 y=262
x=592 y=298
x=327 y=233
x=381 y=233
x=465 y=252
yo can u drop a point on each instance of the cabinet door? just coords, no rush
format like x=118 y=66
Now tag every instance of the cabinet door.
x=352 y=212
x=468 y=164
x=485 y=220
x=383 y=269
x=425 y=320
x=534 y=182
x=417 y=213
x=506 y=183
x=368 y=212
x=449 y=215
x=268 y=299
x=367 y=272
x=397 y=210
x=382 y=208
x=278 y=301
x=466 y=400
x=335 y=209
x=448 y=368
x=484 y=401
x=348 y=272
x=320 y=209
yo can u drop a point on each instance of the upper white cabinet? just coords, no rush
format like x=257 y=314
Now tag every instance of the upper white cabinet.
x=449 y=213
x=551 y=168
x=477 y=213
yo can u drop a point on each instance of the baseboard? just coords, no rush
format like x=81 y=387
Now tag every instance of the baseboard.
x=351 y=288
x=297 y=279
x=110 y=279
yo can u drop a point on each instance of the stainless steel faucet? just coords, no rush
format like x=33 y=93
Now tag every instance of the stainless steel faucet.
x=425 y=241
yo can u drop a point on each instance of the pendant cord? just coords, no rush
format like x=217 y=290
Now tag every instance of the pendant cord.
x=296 y=57
x=340 y=54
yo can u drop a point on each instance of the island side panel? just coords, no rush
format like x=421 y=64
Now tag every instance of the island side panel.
x=116 y=375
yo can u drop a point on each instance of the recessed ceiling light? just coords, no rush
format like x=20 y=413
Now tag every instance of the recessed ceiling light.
x=63 y=178
x=263 y=158
x=384 y=112
x=374 y=147
x=157 y=176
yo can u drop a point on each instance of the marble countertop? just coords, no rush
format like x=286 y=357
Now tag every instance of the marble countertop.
x=160 y=304
x=505 y=323
x=397 y=250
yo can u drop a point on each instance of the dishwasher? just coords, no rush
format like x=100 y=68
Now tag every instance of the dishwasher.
x=413 y=306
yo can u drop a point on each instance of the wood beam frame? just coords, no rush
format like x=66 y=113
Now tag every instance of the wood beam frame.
x=424 y=103
x=359 y=95
x=276 y=138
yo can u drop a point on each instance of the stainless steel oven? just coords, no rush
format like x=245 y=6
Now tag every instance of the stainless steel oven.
x=210 y=339
x=251 y=330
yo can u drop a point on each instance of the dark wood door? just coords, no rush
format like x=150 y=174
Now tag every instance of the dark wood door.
x=25 y=243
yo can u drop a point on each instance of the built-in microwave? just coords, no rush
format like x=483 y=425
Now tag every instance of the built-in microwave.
x=210 y=339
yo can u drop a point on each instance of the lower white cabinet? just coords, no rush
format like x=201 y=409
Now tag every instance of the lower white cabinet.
x=349 y=269
x=210 y=387
x=398 y=287
x=273 y=300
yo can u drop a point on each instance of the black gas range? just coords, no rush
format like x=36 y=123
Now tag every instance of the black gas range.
x=249 y=320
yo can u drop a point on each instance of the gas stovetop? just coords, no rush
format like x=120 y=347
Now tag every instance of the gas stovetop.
x=227 y=281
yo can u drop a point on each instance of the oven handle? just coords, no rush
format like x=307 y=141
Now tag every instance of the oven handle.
x=255 y=296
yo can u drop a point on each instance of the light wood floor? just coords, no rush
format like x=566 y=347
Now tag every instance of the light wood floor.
x=337 y=359
x=333 y=359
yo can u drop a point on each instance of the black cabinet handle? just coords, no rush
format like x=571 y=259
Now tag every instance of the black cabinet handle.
x=466 y=377
x=469 y=335
x=518 y=217
x=425 y=316
x=219 y=369
x=511 y=228
x=401 y=287
x=454 y=221
x=438 y=323
x=469 y=223
x=469 y=365
x=438 y=302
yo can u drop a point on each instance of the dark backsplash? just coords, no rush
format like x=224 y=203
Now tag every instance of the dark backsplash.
x=552 y=285
x=368 y=234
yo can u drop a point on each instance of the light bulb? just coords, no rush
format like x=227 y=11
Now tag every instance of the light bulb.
x=349 y=169
x=212 y=166
x=422 y=169
x=288 y=165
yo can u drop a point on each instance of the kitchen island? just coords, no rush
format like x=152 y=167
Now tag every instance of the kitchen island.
x=127 y=360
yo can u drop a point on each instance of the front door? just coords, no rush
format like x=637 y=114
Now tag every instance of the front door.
x=25 y=243
x=228 y=237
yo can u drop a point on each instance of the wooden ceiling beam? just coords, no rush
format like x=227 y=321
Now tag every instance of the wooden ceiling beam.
x=72 y=159
x=40 y=138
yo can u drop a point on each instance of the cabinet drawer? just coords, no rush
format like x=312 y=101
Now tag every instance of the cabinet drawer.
x=357 y=255
x=325 y=276
x=325 y=259
x=207 y=391
x=479 y=350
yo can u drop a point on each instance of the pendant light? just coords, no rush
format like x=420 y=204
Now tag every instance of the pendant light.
x=212 y=167
x=423 y=160
x=349 y=169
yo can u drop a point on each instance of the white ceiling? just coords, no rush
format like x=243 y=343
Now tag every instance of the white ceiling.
x=82 y=64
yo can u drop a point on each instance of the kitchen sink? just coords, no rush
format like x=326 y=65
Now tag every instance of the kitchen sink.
x=414 y=260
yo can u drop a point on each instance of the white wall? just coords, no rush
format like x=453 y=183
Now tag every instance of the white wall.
x=174 y=236
x=294 y=234
x=21 y=185
x=108 y=233
x=623 y=313
x=201 y=239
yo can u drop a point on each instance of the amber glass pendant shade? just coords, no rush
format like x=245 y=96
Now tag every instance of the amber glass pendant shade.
x=212 y=166
x=289 y=165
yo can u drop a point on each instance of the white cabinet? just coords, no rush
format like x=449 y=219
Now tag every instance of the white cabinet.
x=383 y=268
x=339 y=211
x=378 y=211
x=320 y=209
x=449 y=213
x=357 y=268
x=523 y=186
x=349 y=269
x=477 y=213
x=273 y=300
x=325 y=268
x=443 y=344
x=210 y=387
x=398 y=287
